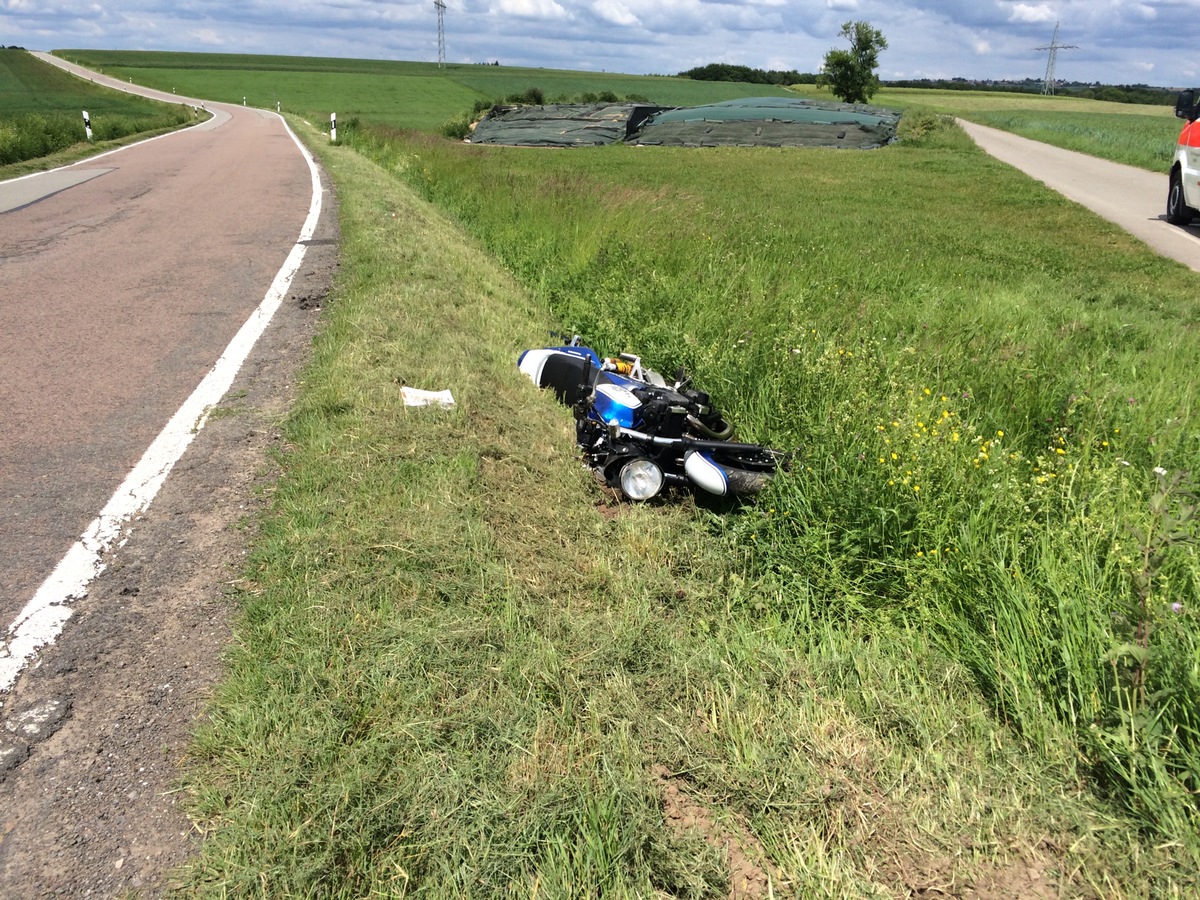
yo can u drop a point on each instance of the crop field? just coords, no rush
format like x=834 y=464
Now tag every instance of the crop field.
x=402 y=94
x=956 y=647
x=423 y=97
x=1144 y=141
x=1133 y=134
x=41 y=111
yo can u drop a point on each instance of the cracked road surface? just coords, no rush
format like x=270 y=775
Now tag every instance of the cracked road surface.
x=122 y=281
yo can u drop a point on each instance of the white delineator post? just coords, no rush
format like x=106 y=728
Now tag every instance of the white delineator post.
x=87 y=125
x=333 y=128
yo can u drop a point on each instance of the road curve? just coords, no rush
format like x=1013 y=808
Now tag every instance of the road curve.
x=123 y=279
x=1131 y=198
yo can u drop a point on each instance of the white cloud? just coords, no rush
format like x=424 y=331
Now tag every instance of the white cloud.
x=1023 y=12
x=1113 y=39
x=616 y=12
x=206 y=36
x=531 y=9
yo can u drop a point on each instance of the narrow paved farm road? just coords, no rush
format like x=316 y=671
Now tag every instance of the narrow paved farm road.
x=123 y=280
x=1131 y=198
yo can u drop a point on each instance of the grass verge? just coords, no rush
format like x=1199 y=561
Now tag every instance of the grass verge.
x=41 y=121
x=460 y=671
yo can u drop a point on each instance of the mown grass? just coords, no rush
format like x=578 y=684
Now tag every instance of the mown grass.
x=41 y=112
x=461 y=671
x=955 y=646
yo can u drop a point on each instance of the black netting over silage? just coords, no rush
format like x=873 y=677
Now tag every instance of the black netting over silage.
x=753 y=122
x=561 y=125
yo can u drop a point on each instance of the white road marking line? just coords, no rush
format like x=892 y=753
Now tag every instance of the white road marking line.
x=43 y=618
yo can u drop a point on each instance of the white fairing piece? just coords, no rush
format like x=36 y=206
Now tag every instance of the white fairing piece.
x=705 y=473
x=533 y=361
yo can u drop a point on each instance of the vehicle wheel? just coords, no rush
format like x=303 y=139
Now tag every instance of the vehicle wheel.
x=742 y=483
x=1178 y=212
x=760 y=460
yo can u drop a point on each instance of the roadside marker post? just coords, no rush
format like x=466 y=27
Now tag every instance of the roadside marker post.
x=87 y=125
x=333 y=128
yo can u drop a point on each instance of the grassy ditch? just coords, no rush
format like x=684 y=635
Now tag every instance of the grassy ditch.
x=463 y=671
x=985 y=381
x=41 y=114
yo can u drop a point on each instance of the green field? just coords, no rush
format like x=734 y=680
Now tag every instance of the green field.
x=401 y=94
x=956 y=649
x=1133 y=134
x=424 y=97
x=41 y=112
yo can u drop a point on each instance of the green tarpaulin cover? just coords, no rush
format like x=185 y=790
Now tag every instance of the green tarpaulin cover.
x=751 y=122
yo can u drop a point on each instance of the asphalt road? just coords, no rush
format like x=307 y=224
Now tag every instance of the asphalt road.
x=1131 y=198
x=122 y=280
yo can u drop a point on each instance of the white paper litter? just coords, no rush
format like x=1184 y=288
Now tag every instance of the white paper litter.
x=418 y=397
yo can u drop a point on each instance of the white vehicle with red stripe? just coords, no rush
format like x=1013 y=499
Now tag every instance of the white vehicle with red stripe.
x=1183 y=196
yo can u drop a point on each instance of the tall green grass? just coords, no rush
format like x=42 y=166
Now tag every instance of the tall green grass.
x=982 y=382
x=1144 y=141
x=461 y=671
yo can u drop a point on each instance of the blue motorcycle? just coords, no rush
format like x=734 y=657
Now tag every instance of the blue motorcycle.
x=641 y=434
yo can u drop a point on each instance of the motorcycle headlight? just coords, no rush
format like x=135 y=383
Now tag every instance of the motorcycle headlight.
x=641 y=479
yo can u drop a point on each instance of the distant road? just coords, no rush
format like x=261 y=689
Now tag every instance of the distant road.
x=122 y=280
x=1131 y=198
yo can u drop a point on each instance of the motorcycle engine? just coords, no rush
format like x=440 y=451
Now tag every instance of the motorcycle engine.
x=664 y=411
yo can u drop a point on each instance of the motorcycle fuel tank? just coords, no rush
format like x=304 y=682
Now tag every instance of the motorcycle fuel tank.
x=615 y=404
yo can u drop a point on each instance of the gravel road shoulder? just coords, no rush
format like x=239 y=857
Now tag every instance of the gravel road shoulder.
x=94 y=735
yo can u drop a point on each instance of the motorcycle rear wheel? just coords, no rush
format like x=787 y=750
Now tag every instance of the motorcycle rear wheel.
x=759 y=460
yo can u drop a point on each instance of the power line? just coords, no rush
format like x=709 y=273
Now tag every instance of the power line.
x=1051 y=61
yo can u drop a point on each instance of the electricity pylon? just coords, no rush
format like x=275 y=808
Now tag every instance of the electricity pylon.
x=441 y=9
x=1051 y=62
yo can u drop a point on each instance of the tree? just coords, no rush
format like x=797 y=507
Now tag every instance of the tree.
x=851 y=73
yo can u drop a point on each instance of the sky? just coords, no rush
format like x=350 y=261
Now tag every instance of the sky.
x=1111 y=41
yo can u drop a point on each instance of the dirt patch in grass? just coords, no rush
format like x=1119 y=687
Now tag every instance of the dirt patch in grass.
x=751 y=873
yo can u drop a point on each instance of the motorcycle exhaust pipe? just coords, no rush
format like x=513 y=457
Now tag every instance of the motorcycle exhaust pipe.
x=720 y=480
x=705 y=473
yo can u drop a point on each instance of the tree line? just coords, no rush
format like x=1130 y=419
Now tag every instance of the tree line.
x=850 y=75
x=1113 y=93
x=729 y=72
